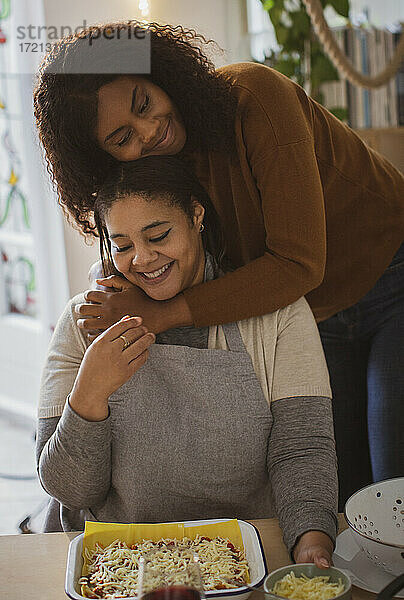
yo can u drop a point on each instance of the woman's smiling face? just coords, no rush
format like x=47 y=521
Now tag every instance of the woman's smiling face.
x=137 y=118
x=155 y=245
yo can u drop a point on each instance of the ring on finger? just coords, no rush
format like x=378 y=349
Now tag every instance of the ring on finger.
x=125 y=342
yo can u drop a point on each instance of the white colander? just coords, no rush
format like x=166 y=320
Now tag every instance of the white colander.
x=375 y=516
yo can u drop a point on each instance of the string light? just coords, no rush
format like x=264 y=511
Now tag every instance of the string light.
x=144 y=8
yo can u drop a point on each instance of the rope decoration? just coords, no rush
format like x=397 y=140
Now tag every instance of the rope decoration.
x=338 y=58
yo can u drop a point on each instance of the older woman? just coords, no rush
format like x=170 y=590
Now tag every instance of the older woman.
x=194 y=422
x=307 y=208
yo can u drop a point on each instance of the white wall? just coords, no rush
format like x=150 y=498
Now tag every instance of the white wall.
x=81 y=253
x=60 y=12
x=222 y=20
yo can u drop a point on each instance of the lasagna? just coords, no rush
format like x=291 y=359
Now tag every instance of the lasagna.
x=113 y=570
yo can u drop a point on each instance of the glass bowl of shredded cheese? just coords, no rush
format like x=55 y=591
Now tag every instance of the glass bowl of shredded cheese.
x=308 y=582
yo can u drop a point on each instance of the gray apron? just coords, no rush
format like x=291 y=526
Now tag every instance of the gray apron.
x=190 y=434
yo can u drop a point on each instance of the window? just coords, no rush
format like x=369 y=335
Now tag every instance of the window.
x=33 y=280
x=261 y=32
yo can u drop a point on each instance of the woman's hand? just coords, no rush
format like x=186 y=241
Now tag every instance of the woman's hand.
x=115 y=283
x=96 y=279
x=104 y=308
x=107 y=364
x=314 y=547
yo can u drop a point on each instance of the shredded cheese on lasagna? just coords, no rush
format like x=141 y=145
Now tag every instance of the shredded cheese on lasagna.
x=113 y=571
x=307 y=588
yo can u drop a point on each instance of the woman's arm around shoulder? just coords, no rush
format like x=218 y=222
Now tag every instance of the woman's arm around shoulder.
x=277 y=160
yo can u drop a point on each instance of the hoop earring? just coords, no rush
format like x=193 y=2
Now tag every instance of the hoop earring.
x=201 y=228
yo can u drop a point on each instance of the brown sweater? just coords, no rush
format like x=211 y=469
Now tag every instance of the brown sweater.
x=308 y=208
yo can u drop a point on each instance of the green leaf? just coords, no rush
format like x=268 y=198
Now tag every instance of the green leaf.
x=267 y=4
x=300 y=23
x=319 y=97
x=322 y=70
x=292 y=27
x=340 y=113
x=340 y=6
x=275 y=14
x=287 y=66
x=281 y=33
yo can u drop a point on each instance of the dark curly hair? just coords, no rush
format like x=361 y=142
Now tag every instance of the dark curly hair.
x=65 y=102
x=163 y=177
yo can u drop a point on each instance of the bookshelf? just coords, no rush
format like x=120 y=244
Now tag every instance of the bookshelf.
x=369 y=50
x=388 y=141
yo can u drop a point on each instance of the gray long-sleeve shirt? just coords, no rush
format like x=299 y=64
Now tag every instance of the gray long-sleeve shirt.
x=74 y=455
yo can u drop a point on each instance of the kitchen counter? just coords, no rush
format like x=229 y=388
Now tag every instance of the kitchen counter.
x=32 y=567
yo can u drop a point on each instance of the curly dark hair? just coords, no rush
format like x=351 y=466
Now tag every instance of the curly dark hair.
x=166 y=178
x=65 y=102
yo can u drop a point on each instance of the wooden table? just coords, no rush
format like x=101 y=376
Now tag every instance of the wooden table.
x=32 y=567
